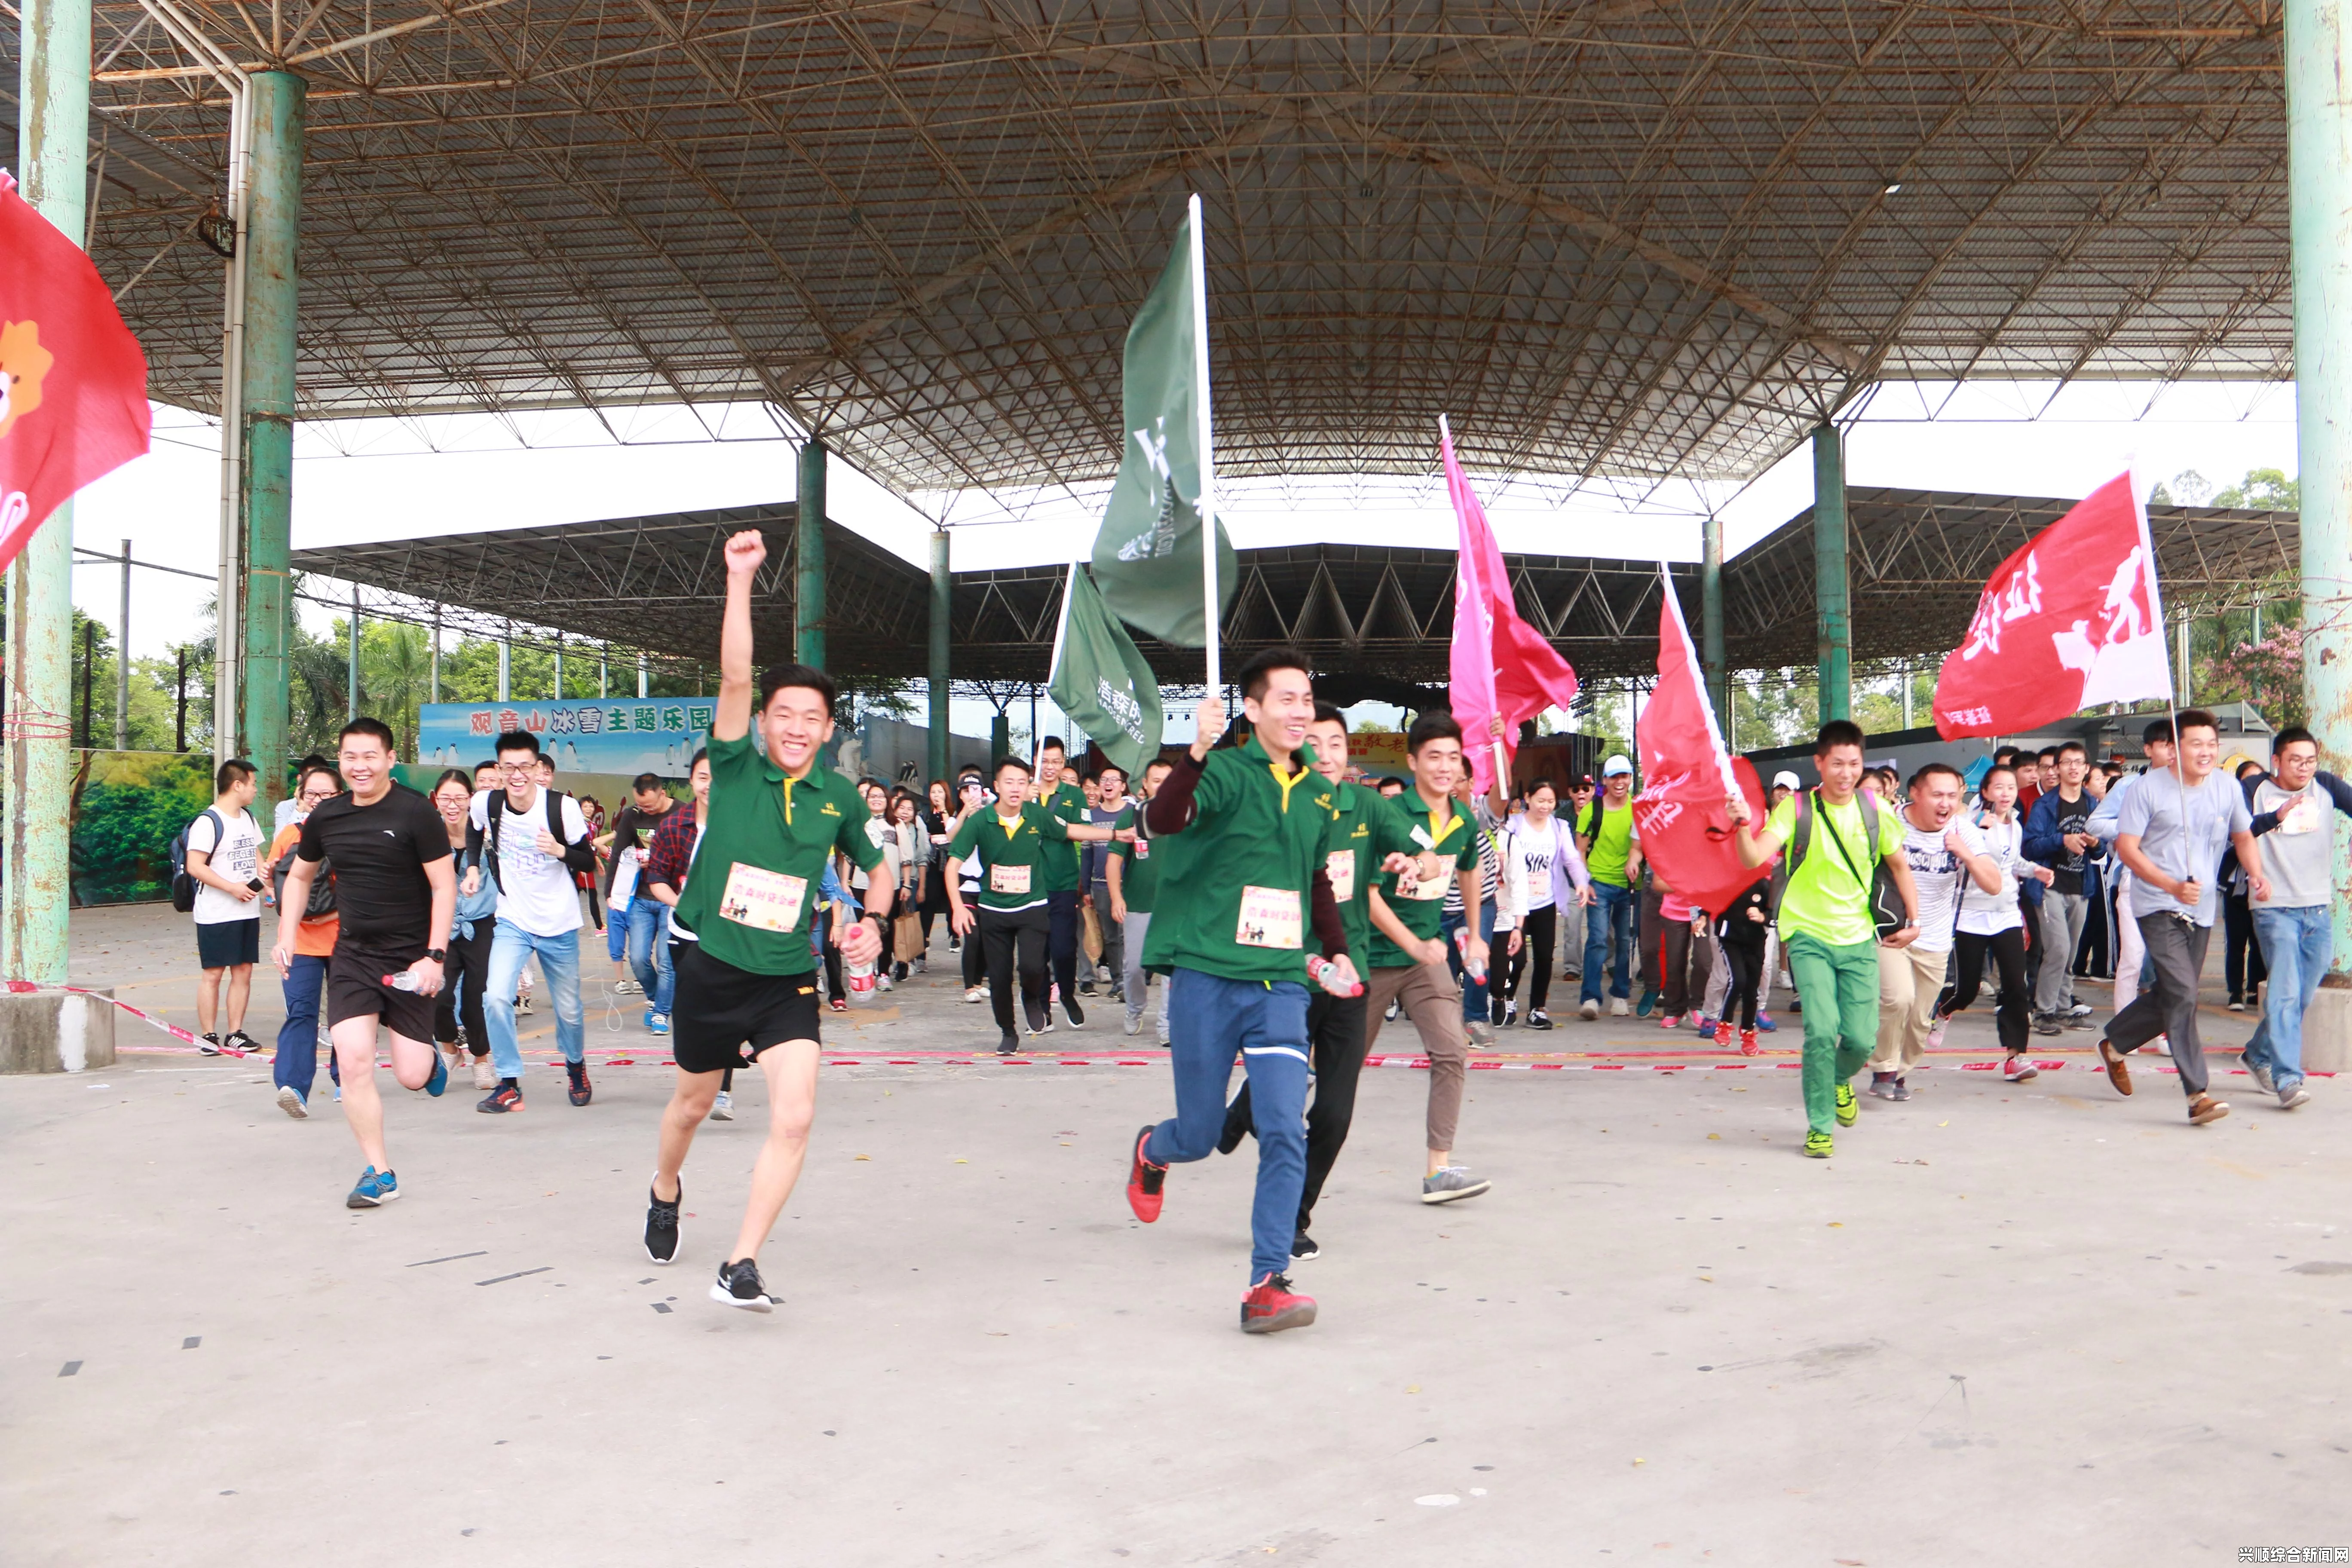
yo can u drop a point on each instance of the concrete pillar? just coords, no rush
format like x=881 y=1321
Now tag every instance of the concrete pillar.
x=1831 y=620
x=52 y=157
x=273 y=215
x=2319 y=217
x=1710 y=619
x=808 y=586
x=122 y=660
x=942 y=602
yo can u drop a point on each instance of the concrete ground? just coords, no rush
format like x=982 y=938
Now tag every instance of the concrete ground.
x=2006 y=1323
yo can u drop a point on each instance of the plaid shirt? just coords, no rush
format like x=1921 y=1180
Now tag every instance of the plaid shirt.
x=672 y=849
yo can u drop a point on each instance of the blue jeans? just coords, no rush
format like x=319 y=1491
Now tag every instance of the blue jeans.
x=1208 y=1017
x=2296 y=947
x=1475 y=1005
x=617 y=928
x=559 y=959
x=298 y=1038
x=648 y=928
x=1609 y=940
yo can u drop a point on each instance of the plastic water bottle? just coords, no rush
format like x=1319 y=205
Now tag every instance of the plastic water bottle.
x=861 y=977
x=1325 y=974
x=404 y=981
x=1478 y=972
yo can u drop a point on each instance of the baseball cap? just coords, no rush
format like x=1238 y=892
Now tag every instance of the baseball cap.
x=1784 y=778
x=1615 y=766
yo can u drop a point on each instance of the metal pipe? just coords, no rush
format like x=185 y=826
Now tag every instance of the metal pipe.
x=1710 y=616
x=942 y=606
x=559 y=667
x=808 y=587
x=351 y=697
x=1832 y=616
x=122 y=660
x=437 y=653
x=641 y=675
x=506 y=662
x=275 y=111
x=52 y=162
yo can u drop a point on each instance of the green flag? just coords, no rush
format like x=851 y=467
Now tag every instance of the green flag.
x=1102 y=681
x=1147 y=558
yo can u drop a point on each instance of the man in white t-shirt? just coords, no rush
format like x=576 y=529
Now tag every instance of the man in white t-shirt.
x=1942 y=847
x=537 y=839
x=225 y=861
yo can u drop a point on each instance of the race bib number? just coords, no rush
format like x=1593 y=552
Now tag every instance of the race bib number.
x=762 y=899
x=2303 y=816
x=1431 y=889
x=1269 y=919
x=1339 y=867
x=1008 y=879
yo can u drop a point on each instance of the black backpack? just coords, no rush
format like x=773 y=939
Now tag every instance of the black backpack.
x=580 y=856
x=1885 y=898
x=183 y=886
x=321 y=902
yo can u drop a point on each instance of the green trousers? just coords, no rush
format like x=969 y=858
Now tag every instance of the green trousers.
x=1839 y=988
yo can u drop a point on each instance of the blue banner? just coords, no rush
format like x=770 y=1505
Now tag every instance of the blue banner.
x=624 y=735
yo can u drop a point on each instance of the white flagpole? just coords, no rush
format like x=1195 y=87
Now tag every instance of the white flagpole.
x=1061 y=633
x=1212 y=690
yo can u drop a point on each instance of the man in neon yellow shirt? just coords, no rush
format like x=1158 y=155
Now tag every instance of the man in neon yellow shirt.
x=1827 y=928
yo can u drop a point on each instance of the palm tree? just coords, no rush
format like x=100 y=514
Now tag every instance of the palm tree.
x=397 y=674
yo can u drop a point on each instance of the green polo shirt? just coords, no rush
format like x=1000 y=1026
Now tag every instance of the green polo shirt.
x=762 y=856
x=1456 y=840
x=1139 y=873
x=1067 y=802
x=1013 y=855
x=1237 y=886
x=1365 y=830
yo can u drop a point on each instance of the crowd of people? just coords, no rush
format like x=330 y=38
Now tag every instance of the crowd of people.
x=1284 y=906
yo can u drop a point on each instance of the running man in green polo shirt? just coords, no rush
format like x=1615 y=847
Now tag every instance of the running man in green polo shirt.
x=1826 y=926
x=1365 y=838
x=1059 y=795
x=740 y=933
x=1013 y=842
x=1243 y=903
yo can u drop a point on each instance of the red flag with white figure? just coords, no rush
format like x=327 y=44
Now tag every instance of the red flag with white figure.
x=73 y=382
x=1687 y=776
x=2071 y=620
x=1500 y=664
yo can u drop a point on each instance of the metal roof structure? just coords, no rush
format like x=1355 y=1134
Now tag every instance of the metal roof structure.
x=1614 y=237
x=1366 y=614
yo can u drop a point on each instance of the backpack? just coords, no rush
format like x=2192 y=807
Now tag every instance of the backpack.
x=183 y=886
x=580 y=856
x=1886 y=900
x=322 y=885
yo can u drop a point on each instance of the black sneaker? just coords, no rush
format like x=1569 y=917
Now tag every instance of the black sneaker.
x=738 y=1285
x=208 y=1045
x=581 y=1092
x=1303 y=1249
x=661 y=1225
x=1236 y=1128
x=1537 y=1020
x=1009 y=1045
x=1076 y=1014
x=1036 y=1017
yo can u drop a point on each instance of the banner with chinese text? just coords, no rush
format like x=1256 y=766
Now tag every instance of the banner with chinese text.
x=624 y=735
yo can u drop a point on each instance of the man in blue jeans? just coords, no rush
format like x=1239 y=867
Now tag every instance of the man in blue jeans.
x=2296 y=832
x=536 y=839
x=1613 y=853
x=295 y=1065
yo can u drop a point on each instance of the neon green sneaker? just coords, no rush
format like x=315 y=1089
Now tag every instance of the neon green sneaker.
x=1818 y=1146
x=1849 y=1110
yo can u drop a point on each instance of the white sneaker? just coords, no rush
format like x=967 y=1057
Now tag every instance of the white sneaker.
x=1589 y=1011
x=1135 y=1023
x=1617 y=1009
x=722 y=1109
x=289 y=1100
x=975 y=994
x=484 y=1078
x=627 y=988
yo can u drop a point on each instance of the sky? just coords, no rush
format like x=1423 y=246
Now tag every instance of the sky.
x=395 y=478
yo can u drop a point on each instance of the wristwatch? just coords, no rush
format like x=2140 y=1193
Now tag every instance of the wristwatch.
x=437 y=954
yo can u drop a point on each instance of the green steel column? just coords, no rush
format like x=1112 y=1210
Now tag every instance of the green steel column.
x=52 y=158
x=1000 y=739
x=1710 y=619
x=1830 y=617
x=273 y=212
x=942 y=602
x=808 y=587
x=2319 y=219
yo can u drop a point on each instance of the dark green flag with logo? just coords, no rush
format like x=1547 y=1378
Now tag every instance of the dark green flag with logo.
x=1147 y=558
x=1102 y=681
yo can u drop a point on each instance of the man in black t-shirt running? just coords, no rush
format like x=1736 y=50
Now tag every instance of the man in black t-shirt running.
x=397 y=896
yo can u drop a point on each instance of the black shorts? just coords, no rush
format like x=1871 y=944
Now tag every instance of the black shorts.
x=355 y=989
x=718 y=1010
x=224 y=943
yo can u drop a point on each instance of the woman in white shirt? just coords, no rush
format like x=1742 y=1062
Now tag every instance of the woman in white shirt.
x=1992 y=923
x=1540 y=862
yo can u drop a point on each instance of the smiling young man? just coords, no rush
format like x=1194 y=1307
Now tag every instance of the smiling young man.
x=1945 y=854
x=537 y=842
x=2057 y=835
x=1367 y=836
x=1407 y=955
x=740 y=930
x=1827 y=928
x=1244 y=900
x=2296 y=827
x=2171 y=831
x=395 y=897
x=1011 y=842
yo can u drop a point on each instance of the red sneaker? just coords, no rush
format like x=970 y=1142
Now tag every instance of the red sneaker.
x=1748 y=1045
x=1270 y=1306
x=1723 y=1033
x=1143 y=1182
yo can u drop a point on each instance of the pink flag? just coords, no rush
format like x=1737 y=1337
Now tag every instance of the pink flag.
x=1686 y=775
x=1500 y=664
x=2071 y=620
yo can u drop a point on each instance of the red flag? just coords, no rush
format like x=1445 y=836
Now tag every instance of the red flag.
x=1687 y=833
x=1500 y=664
x=73 y=384
x=2071 y=620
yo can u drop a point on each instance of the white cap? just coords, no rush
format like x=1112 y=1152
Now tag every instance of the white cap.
x=1784 y=779
x=1615 y=766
